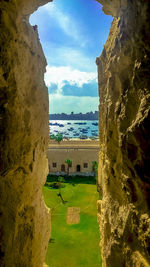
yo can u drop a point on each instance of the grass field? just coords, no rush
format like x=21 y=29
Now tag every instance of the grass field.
x=78 y=244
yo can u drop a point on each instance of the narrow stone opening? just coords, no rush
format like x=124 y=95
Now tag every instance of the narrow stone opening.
x=123 y=212
x=71 y=78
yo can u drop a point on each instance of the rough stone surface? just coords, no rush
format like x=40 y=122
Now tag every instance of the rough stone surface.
x=124 y=160
x=24 y=219
x=124 y=171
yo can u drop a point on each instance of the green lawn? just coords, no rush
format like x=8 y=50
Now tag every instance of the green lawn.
x=78 y=244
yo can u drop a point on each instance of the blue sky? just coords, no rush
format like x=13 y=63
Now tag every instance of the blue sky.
x=72 y=33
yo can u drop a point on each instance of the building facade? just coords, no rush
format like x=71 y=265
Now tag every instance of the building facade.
x=81 y=153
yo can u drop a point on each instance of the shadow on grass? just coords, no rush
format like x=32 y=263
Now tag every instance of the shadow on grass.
x=51 y=240
x=63 y=201
x=53 y=180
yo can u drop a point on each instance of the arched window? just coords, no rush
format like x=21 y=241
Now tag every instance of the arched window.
x=78 y=168
x=54 y=164
x=63 y=168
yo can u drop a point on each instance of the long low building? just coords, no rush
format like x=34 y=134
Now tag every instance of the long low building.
x=81 y=153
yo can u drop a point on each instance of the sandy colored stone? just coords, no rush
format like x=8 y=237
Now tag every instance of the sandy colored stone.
x=79 y=152
x=73 y=215
x=113 y=8
x=24 y=135
x=124 y=176
x=124 y=119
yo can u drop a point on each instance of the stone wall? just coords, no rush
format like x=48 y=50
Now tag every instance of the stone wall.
x=124 y=159
x=79 y=152
x=24 y=219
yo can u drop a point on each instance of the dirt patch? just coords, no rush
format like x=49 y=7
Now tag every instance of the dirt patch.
x=73 y=215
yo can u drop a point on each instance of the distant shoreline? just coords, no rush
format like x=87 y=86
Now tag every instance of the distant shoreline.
x=74 y=119
x=72 y=116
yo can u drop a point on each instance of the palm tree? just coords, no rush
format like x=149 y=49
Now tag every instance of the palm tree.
x=69 y=163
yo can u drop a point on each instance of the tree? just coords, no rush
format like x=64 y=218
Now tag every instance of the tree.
x=59 y=137
x=69 y=164
x=95 y=169
x=52 y=136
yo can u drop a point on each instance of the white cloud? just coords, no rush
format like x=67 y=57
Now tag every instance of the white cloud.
x=58 y=75
x=66 y=104
x=69 y=56
x=66 y=23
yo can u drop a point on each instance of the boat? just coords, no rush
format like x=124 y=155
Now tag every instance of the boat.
x=83 y=130
x=83 y=137
x=95 y=123
x=71 y=129
x=94 y=134
x=80 y=123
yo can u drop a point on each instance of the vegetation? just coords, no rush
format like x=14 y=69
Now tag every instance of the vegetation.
x=73 y=242
x=71 y=180
x=69 y=164
x=58 y=137
x=56 y=183
x=95 y=169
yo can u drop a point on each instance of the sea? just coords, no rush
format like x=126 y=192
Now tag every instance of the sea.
x=74 y=128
